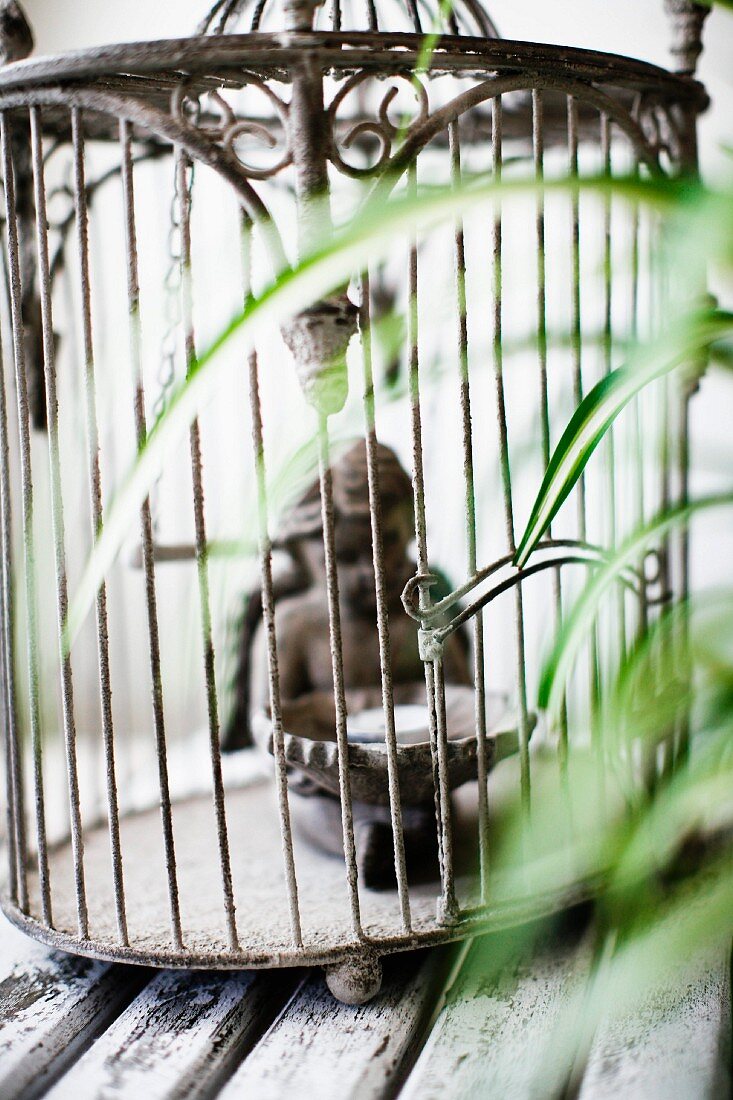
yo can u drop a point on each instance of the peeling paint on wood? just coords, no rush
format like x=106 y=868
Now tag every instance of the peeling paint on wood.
x=319 y=1047
x=493 y=1035
x=52 y=1006
x=88 y=1029
x=675 y=1046
x=180 y=1037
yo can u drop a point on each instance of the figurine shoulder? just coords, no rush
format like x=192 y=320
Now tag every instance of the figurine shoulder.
x=304 y=611
x=308 y=606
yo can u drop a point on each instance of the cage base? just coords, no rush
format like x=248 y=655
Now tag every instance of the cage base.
x=262 y=913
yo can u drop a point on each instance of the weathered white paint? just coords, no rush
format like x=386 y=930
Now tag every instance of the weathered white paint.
x=321 y=1048
x=675 y=1046
x=493 y=1037
x=259 y=882
x=180 y=1037
x=52 y=1006
x=87 y=1029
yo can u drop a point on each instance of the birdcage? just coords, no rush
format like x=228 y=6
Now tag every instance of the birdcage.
x=150 y=190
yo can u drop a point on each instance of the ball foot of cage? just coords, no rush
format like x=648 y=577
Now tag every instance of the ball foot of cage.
x=357 y=980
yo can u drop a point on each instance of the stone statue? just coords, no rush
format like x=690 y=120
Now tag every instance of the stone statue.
x=302 y=628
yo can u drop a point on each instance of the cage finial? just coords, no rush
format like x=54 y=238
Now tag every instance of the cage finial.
x=687 y=21
x=299 y=14
x=16 y=36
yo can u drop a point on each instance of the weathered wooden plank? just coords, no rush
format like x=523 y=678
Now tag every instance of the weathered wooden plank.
x=180 y=1037
x=52 y=1006
x=321 y=1048
x=493 y=1036
x=677 y=1044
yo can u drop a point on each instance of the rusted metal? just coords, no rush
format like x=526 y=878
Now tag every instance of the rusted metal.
x=326 y=104
x=57 y=523
x=23 y=411
x=97 y=514
x=385 y=655
x=146 y=529
x=202 y=566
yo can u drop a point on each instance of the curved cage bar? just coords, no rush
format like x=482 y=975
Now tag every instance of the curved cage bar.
x=270 y=591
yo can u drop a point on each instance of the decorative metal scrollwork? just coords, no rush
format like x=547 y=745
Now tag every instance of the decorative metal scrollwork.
x=210 y=114
x=659 y=126
x=382 y=128
x=650 y=126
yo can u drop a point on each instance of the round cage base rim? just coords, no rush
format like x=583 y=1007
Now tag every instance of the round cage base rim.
x=484 y=921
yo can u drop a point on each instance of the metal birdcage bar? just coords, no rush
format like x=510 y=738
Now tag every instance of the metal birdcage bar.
x=239 y=882
x=96 y=513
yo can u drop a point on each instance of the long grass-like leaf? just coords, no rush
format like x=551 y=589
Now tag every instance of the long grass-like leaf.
x=680 y=344
x=370 y=237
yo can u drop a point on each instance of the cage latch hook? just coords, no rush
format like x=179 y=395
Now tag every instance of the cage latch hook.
x=416 y=602
x=430 y=643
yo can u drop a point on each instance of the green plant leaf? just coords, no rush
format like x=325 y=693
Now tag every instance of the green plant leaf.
x=366 y=238
x=655 y=686
x=576 y=626
x=681 y=344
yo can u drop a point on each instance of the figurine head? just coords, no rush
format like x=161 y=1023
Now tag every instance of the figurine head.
x=302 y=529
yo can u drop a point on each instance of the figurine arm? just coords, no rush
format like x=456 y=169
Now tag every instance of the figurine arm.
x=302 y=708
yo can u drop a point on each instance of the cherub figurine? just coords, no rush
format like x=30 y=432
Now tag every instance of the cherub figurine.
x=302 y=628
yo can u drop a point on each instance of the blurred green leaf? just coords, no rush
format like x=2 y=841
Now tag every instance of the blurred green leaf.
x=576 y=627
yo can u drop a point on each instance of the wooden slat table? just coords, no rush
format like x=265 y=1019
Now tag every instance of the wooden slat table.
x=465 y=1022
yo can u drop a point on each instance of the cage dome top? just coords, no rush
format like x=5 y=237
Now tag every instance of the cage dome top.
x=266 y=37
x=463 y=17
